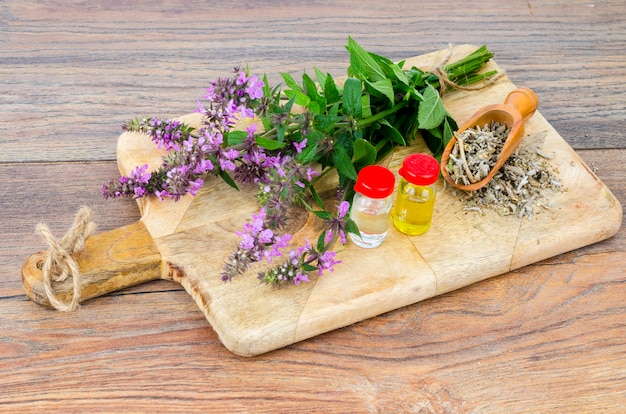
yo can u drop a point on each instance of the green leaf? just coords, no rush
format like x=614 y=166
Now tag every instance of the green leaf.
x=362 y=64
x=324 y=215
x=343 y=163
x=320 y=76
x=321 y=241
x=316 y=197
x=299 y=98
x=351 y=226
x=228 y=179
x=269 y=144
x=291 y=82
x=280 y=133
x=366 y=106
x=267 y=91
x=392 y=133
x=352 y=99
x=334 y=110
x=449 y=126
x=235 y=137
x=364 y=153
x=331 y=91
x=310 y=88
x=384 y=88
x=315 y=108
x=431 y=111
x=325 y=122
x=399 y=73
x=391 y=69
x=309 y=153
x=308 y=268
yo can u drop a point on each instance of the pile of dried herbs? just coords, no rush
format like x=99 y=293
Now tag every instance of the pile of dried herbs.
x=521 y=187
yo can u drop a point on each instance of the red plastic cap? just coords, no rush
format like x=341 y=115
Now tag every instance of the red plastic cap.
x=375 y=181
x=420 y=169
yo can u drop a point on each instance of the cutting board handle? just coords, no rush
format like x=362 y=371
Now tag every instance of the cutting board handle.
x=110 y=261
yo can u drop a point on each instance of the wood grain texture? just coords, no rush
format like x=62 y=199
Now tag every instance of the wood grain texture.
x=548 y=337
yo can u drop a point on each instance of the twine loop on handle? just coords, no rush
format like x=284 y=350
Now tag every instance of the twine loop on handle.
x=59 y=263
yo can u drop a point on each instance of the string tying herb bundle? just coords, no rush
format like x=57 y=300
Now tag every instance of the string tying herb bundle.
x=303 y=130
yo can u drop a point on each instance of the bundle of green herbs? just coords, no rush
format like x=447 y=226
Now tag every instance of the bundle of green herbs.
x=303 y=130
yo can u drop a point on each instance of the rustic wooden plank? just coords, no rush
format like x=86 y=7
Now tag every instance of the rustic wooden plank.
x=547 y=337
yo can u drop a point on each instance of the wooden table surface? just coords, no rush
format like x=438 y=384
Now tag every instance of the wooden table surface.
x=550 y=337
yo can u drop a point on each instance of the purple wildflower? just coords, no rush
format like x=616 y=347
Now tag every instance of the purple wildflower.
x=258 y=242
x=135 y=184
x=300 y=146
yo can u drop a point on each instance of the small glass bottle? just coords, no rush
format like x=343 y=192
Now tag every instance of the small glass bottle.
x=416 y=194
x=371 y=205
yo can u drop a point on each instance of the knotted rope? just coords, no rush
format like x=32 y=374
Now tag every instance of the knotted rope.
x=59 y=263
x=445 y=82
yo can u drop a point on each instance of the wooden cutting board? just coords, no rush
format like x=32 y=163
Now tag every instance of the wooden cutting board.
x=189 y=240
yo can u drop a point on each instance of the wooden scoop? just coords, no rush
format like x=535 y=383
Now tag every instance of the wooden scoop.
x=519 y=105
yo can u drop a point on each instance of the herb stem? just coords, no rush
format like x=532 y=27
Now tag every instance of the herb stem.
x=382 y=114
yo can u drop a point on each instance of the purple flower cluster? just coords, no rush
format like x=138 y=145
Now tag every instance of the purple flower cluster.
x=134 y=184
x=284 y=186
x=301 y=260
x=228 y=99
x=338 y=224
x=191 y=158
x=282 y=180
x=258 y=242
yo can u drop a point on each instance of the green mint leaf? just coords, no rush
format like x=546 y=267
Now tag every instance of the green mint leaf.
x=308 y=268
x=267 y=91
x=324 y=215
x=391 y=69
x=362 y=64
x=343 y=163
x=310 y=88
x=366 y=106
x=309 y=153
x=320 y=76
x=291 y=82
x=316 y=197
x=352 y=98
x=321 y=241
x=431 y=111
x=383 y=87
x=449 y=126
x=228 y=179
x=315 y=107
x=364 y=154
x=330 y=90
x=392 y=133
x=299 y=98
x=351 y=227
x=334 y=110
x=235 y=137
x=268 y=144
x=325 y=122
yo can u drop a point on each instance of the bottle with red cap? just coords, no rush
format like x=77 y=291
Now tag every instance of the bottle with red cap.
x=415 y=201
x=371 y=205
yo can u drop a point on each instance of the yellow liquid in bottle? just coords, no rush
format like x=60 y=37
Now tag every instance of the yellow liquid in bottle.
x=414 y=208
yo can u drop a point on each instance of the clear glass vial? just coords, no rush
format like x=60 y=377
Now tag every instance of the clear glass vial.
x=371 y=205
x=415 y=201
